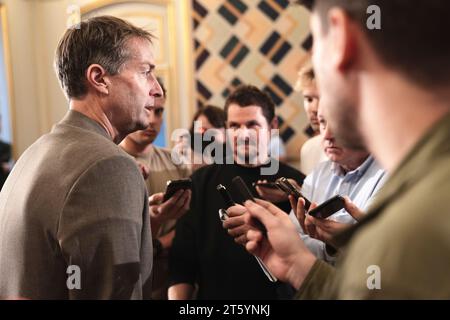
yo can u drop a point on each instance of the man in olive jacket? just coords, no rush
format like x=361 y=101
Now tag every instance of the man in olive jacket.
x=74 y=220
x=384 y=89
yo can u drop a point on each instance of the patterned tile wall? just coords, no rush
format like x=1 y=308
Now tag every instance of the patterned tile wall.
x=259 y=42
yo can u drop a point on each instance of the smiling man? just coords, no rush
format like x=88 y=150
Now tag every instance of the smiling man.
x=202 y=253
x=74 y=220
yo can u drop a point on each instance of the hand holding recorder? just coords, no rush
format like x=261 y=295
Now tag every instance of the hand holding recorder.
x=238 y=224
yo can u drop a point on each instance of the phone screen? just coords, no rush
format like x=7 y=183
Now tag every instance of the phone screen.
x=328 y=207
x=174 y=185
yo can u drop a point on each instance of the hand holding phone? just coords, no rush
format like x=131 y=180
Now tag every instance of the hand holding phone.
x=270 y=191
x=285 y=185
x=175 y=185
x=240 y=185
x=327 y=208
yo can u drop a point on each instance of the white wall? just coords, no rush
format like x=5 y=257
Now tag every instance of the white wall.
x=35 y=27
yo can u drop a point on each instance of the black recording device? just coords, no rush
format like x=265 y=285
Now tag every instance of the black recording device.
x=241 y=187
x=227 y=199
x=327 y=208
x=174 y=185
x=229 y=202
x=290 y=189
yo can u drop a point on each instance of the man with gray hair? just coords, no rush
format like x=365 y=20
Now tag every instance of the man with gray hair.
x=74 y=220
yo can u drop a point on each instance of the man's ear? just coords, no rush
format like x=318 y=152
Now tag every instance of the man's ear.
x=96 y=76
x=342 y=35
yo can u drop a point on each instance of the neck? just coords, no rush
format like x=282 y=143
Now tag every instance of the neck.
x=395 y=114
x=259 y=161
x=93 y=110
x=135 y=149
x=355 y=162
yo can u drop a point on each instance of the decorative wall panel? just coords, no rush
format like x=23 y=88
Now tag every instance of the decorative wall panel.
x=259 y=42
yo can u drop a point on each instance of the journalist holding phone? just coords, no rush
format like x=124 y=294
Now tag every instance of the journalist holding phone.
x=348 y=172
x=203 y=254
x=351 y=173
x=390 y=93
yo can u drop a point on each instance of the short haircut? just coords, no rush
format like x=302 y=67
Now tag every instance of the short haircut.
x=306 y=77
x=100 y=40
x=412 y=35
x=248 y=95
x=215 y=116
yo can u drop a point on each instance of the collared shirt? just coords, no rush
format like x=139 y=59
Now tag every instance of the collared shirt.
x=405 y=234
x=328 y=180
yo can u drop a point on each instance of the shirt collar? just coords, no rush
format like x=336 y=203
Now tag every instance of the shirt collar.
x=429 y=150
x=337 y=169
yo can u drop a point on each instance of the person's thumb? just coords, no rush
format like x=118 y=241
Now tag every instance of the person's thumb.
x=353 y=210
x=156 y=198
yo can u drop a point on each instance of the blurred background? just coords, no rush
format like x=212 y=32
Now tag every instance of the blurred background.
x=204 y=49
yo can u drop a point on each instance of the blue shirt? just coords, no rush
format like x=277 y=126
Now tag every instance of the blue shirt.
x=328 y=179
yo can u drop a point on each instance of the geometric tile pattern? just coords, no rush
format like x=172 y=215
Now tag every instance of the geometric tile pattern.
x=259 y=42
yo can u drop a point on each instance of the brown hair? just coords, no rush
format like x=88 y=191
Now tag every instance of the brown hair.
x=412 y=35
x=101 y=40
x=247 y=95
x=306 y=77
x=215 y=116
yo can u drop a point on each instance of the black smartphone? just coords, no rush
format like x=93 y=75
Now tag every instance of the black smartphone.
x=174 y=185
x=290 y=189
x=270 y=185
x=240 y=186
x=327 y=208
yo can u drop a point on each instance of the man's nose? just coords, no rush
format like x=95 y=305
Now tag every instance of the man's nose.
x=327 y=134
x=156 y=90
x=243 y=132
x=152 y=117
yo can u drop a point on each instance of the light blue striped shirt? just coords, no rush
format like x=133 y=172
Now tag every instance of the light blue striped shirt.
x=328 y=179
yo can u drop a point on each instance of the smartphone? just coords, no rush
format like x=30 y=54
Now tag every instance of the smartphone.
x=270 y=185
x=328 y=207
x=240 y=186
x=289 y=189
x=174 y=185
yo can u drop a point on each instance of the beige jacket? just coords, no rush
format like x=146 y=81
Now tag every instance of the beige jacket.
x=74 y=198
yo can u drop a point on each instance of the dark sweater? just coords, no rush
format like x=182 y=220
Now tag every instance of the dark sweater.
x=205 y=254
